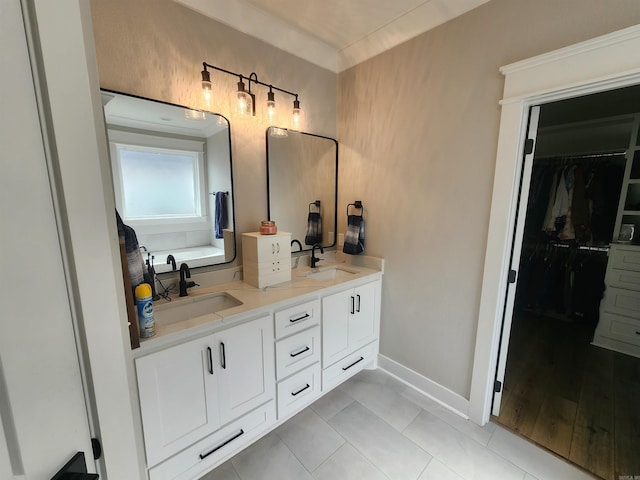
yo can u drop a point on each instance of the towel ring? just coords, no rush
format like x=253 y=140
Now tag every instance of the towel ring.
x=317 y=204
x=357 y=205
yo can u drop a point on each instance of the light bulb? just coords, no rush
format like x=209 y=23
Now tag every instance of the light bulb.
x=244 y=100
x=272 y=112
x=206 y=87
x=297 y=114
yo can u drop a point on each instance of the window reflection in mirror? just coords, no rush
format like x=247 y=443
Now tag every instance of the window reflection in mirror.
x=172 y=179
x=302 y=168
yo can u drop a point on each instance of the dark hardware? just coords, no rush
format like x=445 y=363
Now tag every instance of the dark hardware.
x=357 y=205
x=354 y=363
x=637 y=333
x=227 y=442
x=293 y=394
x=528 y=146
x=314 y=259
x=171 y=260
x=293 y=320
x=210 y=360
x=305 y=349
x=184 y=272
x=97 y=448
x=353 y=307
x=358 y=309
x=512 y=276
x=497 y=386
x=224 y=356
x=75 y=469
x=298 y=242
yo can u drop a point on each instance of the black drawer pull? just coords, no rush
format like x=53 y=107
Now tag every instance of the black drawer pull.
x=353 y=303
x=358 y=309
x=637 y=333
x=293 y=394
x=210 y=360
x=293 y=320
x=224 y=356
x=227 y=442
x=354 y=363
x=305 y=349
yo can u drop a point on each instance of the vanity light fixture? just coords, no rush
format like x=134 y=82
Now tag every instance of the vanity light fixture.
x=245 y=99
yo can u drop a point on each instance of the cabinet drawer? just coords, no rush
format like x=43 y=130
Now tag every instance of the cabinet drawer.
x=265 y=278
x=622 y=302
x=348 y=366
x=299 y=390
x=297 y=352
x=623 y=278
x=189 y=463
x=625 y=258
x=625 y=329
x=295 y=319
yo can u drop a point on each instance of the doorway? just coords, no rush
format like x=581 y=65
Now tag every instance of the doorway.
x=560 y=391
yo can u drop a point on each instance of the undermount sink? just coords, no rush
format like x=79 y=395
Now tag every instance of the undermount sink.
x=330 y=273
x=184 y=309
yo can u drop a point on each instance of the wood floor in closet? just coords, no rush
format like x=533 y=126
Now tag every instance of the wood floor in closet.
x=580 y=401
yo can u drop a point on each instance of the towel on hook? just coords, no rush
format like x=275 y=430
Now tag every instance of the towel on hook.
x=221 y=214
x=314 y=229
x=354 y=239
x=132 y=249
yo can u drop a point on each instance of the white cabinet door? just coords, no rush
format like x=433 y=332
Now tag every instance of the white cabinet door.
x=336 y=310
x=362 y=323
x=349 y=321
x=177 y=389
x=245 y=362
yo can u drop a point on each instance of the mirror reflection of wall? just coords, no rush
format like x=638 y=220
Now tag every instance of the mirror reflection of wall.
x=302 y=168
x=172 y=179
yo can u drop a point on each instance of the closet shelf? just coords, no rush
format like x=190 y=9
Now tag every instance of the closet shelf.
x=631 y=212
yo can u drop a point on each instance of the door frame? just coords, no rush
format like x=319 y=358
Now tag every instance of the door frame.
x=593 y=66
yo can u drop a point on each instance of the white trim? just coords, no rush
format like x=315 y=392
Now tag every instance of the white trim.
x=438 y=393
x=606 y=62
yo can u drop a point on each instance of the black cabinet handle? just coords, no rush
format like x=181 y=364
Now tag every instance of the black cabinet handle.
x=210 y=360
x=637 y=333
x=293 y=320
x=305 y=349
x=354 y=363
x=293 y=394
x=353 y=308
x=227 y=442
x=223 y=356
x=358 y=309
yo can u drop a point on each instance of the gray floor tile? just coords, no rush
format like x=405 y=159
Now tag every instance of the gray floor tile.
x=458 y=452
x=395 y=455
x=267 y=459
x=534 y=460
x=310 y=438
x=479 y=434
x=331 y=403
x=223 y=472
x=436 y=470
x=348 y=464
x=380 y=393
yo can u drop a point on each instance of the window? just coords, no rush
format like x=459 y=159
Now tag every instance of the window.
x=159 y=183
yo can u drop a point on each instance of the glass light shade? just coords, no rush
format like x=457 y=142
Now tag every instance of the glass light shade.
x=272 y=111
x=206 y=87
x=297 y=115
x=244 y=100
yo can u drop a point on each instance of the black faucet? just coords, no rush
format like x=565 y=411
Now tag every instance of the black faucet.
x=184 y=272
x=171 y=260
x=298 y=242
x=314 y=259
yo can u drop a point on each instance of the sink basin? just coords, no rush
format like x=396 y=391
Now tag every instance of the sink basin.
x=330 y=273
x=184 y=309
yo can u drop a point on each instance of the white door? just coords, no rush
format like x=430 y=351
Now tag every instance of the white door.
x=43 y=415
x=532 y=130
x=336 y=310
x=246 y=367
x=178 y=394
x=362 y=324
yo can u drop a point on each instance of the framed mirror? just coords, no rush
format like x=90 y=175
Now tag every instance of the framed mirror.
x=172 y=179
x=302 y=185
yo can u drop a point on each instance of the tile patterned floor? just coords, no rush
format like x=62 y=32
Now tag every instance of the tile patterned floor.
x=374 y=427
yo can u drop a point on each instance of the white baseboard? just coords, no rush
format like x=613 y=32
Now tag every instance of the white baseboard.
x=447 y=398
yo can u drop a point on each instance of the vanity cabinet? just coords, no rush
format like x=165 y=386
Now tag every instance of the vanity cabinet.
x=188 y=391
x=350 y=322
x=266 y=258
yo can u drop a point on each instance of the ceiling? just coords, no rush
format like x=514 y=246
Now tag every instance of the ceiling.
x=334 y=34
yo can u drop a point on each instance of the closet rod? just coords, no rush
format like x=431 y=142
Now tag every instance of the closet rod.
x=583 y=247
x=582 y=156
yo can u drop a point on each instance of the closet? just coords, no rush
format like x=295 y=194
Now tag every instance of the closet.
x=570 y=385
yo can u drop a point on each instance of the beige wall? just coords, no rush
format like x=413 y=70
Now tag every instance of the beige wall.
x=418 y=127
x=155 y=49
